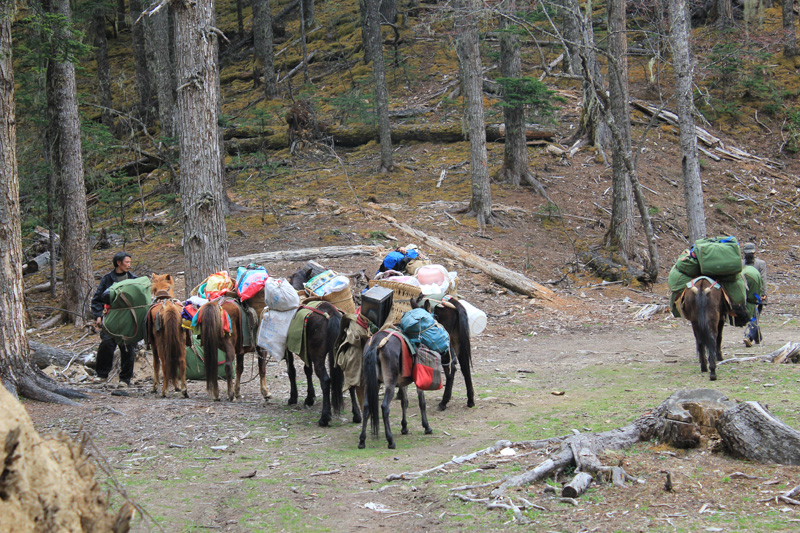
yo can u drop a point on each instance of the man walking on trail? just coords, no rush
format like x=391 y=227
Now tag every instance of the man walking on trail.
x=105 y=352
x=757 y=283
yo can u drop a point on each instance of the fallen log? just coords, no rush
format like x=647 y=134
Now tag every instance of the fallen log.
x=502 y=275
x=788 y=353
x=578 y=485
x=749 y=431
x=305 y=254
x=35 y=264
x=45 y=355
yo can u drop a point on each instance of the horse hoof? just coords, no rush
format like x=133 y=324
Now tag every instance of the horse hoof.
x=292 y=401
x=471 y=403
x=356 y=420
x=404 y=431
x=392 y=446
x=185 y=394
x=712 y=377
x=442 y=406
x=323 y=423
x=309 y=402
x=361 y=445
x=428 y=431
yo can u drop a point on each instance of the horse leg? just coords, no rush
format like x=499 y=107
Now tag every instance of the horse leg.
x=449 y=378
x=466 y=371
x=237 y=386
x=402 y=394
x=356 y=396
x=182 y=371
x=388 y=395
x=362 y=440
x=262 y=373
x=719 y=337
x=156 y=368
x=230 y=355
x=292 y=377
x=310 y=394
x=325 y=383
x=701 y=350
x=423 y=410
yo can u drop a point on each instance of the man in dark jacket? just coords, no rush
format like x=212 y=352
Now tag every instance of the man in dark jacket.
x=105 y=352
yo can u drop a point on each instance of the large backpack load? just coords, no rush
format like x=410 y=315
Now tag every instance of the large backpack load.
x=129 y=301
x=421 y=328
x=718 y=258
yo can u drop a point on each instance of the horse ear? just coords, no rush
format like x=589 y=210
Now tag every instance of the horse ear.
x=169 y=277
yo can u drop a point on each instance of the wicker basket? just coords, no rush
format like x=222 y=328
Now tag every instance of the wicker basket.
x=343 y=300
x=401 y=299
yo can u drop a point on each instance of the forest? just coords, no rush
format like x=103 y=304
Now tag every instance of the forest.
x=576 y=144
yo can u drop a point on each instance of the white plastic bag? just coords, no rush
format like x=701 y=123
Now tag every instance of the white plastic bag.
x=279 y=295
x=433 y=279
x=339 y=283
x=274 y=331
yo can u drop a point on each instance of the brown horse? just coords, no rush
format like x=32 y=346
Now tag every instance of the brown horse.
x=167 y=336
x=705 y=304
x=449 y=312
x=213 y=337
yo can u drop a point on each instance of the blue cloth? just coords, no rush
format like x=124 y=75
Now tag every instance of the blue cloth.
x=393 y=259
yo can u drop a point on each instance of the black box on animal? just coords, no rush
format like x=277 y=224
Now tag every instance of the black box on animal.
x=376 y=304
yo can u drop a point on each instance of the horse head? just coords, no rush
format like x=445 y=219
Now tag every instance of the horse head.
x=162 y=285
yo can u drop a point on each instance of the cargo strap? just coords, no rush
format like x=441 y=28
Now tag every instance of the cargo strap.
x=314 y=309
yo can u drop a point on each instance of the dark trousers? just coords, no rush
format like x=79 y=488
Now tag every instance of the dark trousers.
x=105 y=358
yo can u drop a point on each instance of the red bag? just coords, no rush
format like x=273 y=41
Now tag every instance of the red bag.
x=428 y=370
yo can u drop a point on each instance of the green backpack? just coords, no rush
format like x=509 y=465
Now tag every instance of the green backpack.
x=196 y=367
x=129 y=299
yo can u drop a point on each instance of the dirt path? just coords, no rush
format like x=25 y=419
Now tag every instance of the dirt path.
x=193 y=464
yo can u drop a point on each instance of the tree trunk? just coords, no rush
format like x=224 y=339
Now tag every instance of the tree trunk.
x=515 y=157
x=388 y=11
x=262 y=45
x=120 y=15
x=374 y=50
x=469 y=61
x=162 y=68
x=16 y=371
x=144 y=84
x=307 y=14
x=724 y=14
x=620 y=231
x=240 y=18
x=103 y=69
x=68 y=163
x=750 y=431
x=789 y=36
x=205 y=244
x=682 y=65
x=571 y=33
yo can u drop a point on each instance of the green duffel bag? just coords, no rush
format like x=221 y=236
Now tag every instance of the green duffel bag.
x=736 y=289
x=129 y=300
x=755 y=286
x=718 y=256
x=195 y=364
x=688 y=265
x=677 y=281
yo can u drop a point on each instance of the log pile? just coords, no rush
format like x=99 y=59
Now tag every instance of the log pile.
x=684 y=420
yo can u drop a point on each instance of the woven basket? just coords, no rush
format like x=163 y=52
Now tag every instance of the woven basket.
x=401 y=299
x=343 y=300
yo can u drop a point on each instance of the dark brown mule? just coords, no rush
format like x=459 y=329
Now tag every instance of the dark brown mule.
x=449 y=312
x=384 y=353
x=213 y=338
x=166 y=335
x=705 y=304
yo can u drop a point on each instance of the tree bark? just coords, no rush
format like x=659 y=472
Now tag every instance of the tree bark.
x=307 y=15
x=789 y=35
x=724 y=14
x=205 y=243
x=690 y=162
x=103 y=69
x=159 y=44
x=388 y=11
x=263 y=45
x=469 y=61
x=374 y=50
x=17 y=373
x=144 y=87
x=620 y=231
x=515 y=167
x=750 y=431
x=65 y=138
x=571 y=34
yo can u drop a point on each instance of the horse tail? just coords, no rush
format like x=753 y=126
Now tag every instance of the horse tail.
x=210 y=332
x=173 y=339
x=337 y=375
x=707 y=330
x=464 y=344
x=369 y=372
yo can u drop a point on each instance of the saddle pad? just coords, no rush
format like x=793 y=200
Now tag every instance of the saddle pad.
x=296 y=341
